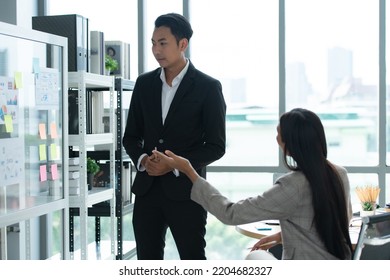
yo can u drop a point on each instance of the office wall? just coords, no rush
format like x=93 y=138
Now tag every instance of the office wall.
x=8 y=11
x=19 y=12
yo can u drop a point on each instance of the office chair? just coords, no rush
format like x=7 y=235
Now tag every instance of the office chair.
x=374 y=238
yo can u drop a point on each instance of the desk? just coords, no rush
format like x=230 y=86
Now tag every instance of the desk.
x=252 y=230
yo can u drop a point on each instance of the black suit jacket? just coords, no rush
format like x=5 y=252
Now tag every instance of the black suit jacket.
x=194 y=127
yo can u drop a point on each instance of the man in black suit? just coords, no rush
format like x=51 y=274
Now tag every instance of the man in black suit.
x=174 y=107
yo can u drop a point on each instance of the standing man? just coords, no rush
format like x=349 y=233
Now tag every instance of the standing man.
x=179 y=108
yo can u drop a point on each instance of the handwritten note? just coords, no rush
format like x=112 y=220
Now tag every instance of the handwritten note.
x=46 y=87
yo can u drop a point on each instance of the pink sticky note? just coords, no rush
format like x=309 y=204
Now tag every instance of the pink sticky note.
x=42 y=131
x=42 y=172
x=54 y=172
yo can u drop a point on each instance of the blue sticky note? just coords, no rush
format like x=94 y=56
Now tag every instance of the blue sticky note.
x=36 y=65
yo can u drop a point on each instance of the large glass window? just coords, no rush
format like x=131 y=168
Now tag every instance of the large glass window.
x=332 y=68
x=239 y=47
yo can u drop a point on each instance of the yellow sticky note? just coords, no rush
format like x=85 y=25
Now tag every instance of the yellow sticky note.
x=53 y=130
x=53 y=151
x=42 y=152
x=42 y=131
x=8 y=123
x=18 y=80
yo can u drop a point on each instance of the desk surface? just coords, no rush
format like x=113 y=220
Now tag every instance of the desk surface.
x=258 y=229
x=262 y=228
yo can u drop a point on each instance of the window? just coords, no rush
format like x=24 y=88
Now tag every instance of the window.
x=240 y=48
x=332 y=68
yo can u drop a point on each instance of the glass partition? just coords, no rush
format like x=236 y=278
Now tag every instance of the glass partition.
x=33 y=144
x=30 y=123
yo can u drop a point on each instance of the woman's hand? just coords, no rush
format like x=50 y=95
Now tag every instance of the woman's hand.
x=154 y=167
x=267 y=242
x=176 y=162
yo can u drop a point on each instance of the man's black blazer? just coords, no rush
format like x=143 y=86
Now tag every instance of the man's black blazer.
x=194 y=127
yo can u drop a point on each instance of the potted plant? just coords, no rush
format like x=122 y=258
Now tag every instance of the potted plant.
x=368 y=196
x=368 y=208
x=111 y=64
x=92 y=168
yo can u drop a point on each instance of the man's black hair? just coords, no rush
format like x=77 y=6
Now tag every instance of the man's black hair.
x=179 y=25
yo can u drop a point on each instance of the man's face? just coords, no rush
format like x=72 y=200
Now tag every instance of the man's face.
x=165 y=48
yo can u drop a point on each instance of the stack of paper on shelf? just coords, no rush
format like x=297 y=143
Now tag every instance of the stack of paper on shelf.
x=74 y=176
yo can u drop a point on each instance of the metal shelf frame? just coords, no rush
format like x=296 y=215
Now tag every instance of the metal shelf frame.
x=121 y=159
x=85 y=81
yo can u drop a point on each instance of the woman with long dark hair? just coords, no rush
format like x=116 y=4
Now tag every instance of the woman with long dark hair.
x=312 y=201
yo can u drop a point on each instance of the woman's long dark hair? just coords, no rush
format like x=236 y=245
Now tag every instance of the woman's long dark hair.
x=303 y=135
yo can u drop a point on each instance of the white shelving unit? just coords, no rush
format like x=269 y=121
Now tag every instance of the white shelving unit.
x=123 y=170
x=85 y=82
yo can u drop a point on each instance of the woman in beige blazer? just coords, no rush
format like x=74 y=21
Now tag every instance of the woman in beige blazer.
x=312 y=201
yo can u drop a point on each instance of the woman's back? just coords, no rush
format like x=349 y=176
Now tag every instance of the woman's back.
x=301 y=135
x=300 y=237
